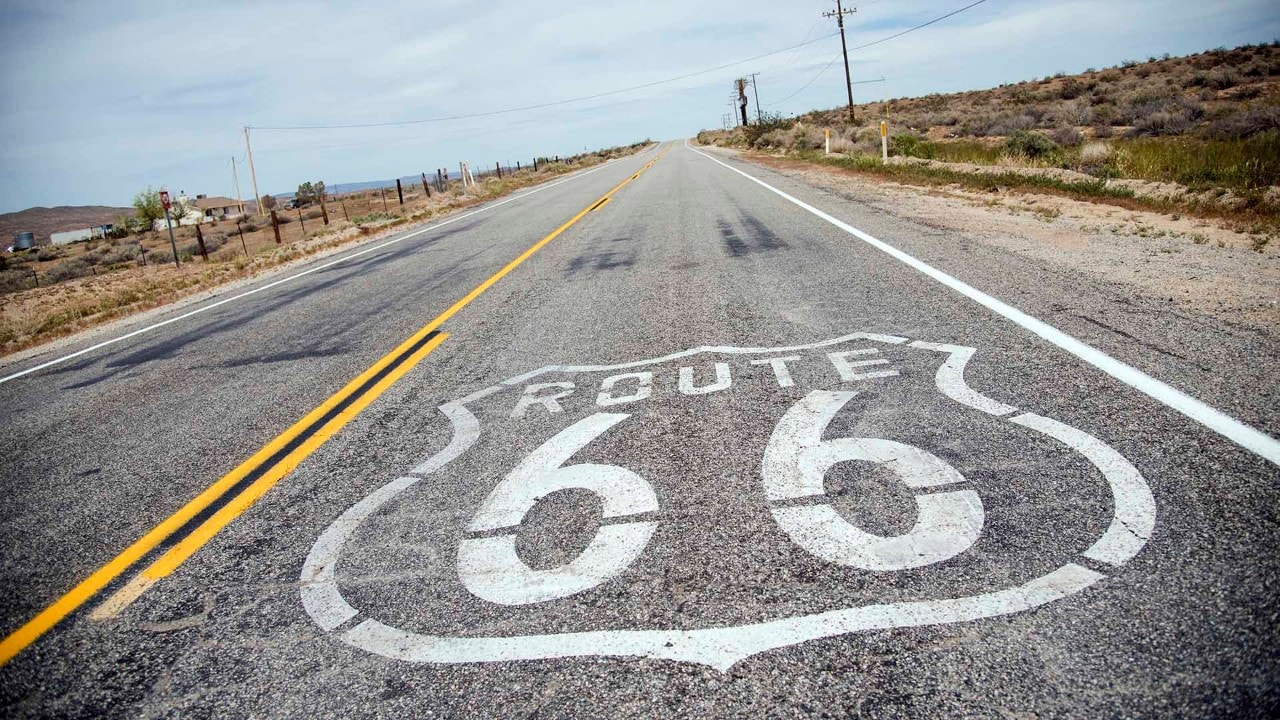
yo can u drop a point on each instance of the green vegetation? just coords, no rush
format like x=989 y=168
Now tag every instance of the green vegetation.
x=1254 y=208
x=934 y=175
x=1251 y=163
x=1030 y=145
x=147 y=208
x=309 y=192
x=374 y=217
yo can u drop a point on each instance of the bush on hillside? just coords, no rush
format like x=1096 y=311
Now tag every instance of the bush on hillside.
x=767 y=123
x=12 y=281
x=1067 y=137
x=906 y=145
x=68 y=270
x=1029 y=144
x=1251 y=121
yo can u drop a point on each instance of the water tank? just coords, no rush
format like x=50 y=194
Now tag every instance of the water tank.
x=24 y=241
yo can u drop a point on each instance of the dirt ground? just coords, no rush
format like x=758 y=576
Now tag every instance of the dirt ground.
x=1201 y=265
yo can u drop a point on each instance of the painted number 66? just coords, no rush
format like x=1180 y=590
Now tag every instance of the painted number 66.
x=795 y=463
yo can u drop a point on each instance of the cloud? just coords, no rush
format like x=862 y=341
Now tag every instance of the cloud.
x=105 y=98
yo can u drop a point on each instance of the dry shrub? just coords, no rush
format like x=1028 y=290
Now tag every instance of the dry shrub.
x=1222 y=78
x=68 y=270
x=807 y=138
x=12 y=281
x=1251 y=121
x=1067 y=136
x=1095 y=154
x=121 y=254
x=1029 y=144
x=841 y=145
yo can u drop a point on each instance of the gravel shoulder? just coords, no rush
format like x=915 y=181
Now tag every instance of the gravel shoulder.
x=1200 y=266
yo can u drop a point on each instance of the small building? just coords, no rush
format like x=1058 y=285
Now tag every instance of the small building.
x=218 y=208
x=74 y=236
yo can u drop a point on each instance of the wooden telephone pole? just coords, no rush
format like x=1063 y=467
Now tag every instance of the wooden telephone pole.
x=741 y=85
x=756 y=91
x=253 y=174
x=235 y=177
x=839 y=14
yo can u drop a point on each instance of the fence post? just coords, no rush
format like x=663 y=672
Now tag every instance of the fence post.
x=35 y=276
x=517 y=166
x=425 y=187
x=535 y=164
x=200 y=241
x=399 y=191
x=324 y=211
x=383 y=192
x=499 y=166
x=242 y=243
x=275 y=225
x=345 y=216
x=303 y=224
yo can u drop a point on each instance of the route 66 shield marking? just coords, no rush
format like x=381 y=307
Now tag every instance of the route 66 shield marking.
x=825 y=392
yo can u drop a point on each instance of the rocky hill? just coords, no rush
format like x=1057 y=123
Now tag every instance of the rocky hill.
x=44 y=221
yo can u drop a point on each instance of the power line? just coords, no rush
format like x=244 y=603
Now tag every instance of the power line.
x=877 y=42
x=923 y=25
x=812 y=80
x=546 y=104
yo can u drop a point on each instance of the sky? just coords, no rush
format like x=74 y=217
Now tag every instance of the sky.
x=103 y=100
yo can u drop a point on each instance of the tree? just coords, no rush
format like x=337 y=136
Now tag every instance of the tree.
x=309 y=192
x=147 y=208
x=123 y=226
x=268 y=202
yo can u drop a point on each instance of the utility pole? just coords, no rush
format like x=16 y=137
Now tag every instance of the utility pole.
x=235 y=177
x=756 y=89
x=839 y=14
x=741 y=85
x=253 y=174
x=168 y=220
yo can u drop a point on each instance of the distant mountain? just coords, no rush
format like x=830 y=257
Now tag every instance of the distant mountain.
x=348 y=187
x=44 y=221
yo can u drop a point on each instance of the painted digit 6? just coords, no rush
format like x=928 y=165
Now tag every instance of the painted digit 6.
x=796 y=460
x=489 y=566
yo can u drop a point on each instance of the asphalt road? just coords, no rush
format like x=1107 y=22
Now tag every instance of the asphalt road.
x=703 y=453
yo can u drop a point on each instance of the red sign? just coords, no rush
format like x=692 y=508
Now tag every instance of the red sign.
x=164 y=199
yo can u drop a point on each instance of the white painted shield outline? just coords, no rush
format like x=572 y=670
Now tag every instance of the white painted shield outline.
x=722 y=647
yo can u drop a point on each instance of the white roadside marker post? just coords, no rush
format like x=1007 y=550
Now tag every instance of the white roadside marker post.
x=884 y=141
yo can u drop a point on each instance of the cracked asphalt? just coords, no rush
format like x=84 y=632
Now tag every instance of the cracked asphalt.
x=673 y=576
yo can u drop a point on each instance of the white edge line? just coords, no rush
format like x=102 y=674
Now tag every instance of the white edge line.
x=1225 y=425
x=308 y=271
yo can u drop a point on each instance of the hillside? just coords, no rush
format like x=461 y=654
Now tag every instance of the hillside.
x=1216 y=94
x=1195 y=135
x=43 y=221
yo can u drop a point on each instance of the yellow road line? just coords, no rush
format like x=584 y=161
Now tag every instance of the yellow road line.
x=532 y=249
x=19 y=639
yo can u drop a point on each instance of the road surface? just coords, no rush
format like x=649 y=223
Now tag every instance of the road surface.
x=675 y=436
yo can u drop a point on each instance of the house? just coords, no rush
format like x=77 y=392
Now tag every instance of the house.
x=218 y=208
x=203 y=209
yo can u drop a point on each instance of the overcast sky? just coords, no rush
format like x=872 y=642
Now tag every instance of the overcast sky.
x=104 y=99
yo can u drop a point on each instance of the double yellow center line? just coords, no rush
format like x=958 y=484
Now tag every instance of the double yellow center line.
x=195 y=523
